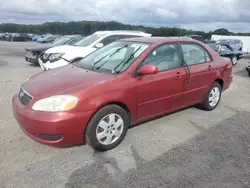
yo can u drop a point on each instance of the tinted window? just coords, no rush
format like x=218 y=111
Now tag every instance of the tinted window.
x=165 y=57
x=194 y=54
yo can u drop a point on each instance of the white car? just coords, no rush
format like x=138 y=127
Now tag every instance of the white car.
x=62 y=55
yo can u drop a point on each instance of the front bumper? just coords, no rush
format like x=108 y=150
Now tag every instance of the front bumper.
x=48 y=65
x=55 y=129
x=31 y=59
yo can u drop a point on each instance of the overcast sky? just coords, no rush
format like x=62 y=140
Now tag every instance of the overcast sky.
x=189 y=14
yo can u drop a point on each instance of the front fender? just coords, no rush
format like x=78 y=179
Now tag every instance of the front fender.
x=97 y=101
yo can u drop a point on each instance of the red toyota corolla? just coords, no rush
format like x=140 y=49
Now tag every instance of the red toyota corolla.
x=97 y=98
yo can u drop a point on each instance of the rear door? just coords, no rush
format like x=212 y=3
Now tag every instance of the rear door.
x=161 y=92
x=202 y=72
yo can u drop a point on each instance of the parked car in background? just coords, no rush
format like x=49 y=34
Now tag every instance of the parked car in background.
x=20 y=37
x=63 y=55
x=225 y=50
x=2 y=36
x=129 y=81
x=196 y=37
x=248 y=69
x=8 y=36
x=48 y=39
x=236 y=44
x=32 y=54
x=209 y=41
x=35 y=38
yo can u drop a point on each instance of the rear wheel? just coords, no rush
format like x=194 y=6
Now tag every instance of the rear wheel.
x=107 y=128
x=234 y=60
x=249 y=73
x=212 y=97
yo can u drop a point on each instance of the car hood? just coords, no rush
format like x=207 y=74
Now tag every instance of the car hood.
x=62 y=81
x=39 y=48
x=71 y=52
x=60 y=49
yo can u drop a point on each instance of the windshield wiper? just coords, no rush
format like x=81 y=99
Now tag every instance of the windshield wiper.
x=110 y=55
x=125 y=61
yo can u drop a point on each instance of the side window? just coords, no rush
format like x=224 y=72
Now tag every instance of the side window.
x=194 y=54
x=165 y=57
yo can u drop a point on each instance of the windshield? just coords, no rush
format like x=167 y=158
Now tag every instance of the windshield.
x=88 y=40
x=61 y=41
x=116 y=55
x=214 y=46
x=225 y=41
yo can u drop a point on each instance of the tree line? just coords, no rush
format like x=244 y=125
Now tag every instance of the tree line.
x=89 y=27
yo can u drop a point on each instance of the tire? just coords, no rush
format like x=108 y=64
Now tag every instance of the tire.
x=93 y=128
x=249 y=73
x=207 y=104
x=234 y=60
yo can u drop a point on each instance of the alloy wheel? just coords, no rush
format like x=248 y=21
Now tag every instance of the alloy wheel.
x=214 y=96
x=109 y=129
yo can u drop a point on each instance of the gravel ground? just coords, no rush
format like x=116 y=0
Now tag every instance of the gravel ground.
x=189 y=148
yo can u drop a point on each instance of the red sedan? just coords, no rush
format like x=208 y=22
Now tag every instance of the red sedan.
x=97 y=98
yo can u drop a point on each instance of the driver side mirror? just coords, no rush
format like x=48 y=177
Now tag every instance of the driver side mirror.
x=148 y=69
x=99 y=45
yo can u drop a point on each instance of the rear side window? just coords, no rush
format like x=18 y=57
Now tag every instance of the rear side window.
x=194 y=54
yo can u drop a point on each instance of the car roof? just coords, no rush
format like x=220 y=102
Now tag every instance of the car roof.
x=124 y=32
x=153 y=40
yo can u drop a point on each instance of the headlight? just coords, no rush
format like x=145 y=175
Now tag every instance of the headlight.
x=55 y=57
x=57 y=103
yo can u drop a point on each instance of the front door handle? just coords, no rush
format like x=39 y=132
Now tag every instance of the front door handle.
x=178 y=75
x=210 y=67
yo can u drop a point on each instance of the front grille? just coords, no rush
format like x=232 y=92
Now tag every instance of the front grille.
x=24 y=97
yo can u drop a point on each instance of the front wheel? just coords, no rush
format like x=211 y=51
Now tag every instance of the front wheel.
x=249 y=73
x=212 y=97
x=107 y=128
x=234 y=60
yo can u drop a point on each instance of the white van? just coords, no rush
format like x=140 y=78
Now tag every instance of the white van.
x=62 y=55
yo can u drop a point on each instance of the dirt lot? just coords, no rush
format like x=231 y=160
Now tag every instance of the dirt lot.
x=189 y=148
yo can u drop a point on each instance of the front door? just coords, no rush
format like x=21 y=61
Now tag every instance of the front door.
x=161 y=92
